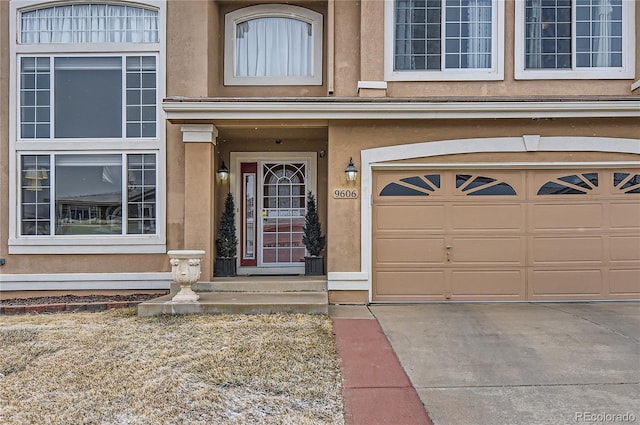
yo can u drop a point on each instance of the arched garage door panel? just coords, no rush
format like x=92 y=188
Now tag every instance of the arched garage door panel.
x=506 y=235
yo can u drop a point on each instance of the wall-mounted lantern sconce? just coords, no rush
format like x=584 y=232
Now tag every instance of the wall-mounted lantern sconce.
x=351 y=172
x=223 y=173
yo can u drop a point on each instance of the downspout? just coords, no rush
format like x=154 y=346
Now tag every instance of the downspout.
x=330 y=45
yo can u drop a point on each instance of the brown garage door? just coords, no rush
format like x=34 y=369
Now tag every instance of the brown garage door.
x=506 y=235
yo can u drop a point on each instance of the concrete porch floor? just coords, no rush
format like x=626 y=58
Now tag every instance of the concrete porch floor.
x=247 y=295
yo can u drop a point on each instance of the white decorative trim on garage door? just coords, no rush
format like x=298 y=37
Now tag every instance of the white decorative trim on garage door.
x=376 y=157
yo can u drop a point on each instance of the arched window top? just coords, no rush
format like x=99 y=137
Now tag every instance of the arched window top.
x=89 y=23
x=274 y=11
x=273 y=44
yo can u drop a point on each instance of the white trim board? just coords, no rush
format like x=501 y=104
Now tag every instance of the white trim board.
x=347 y=281
x=85 y=281
x=372 y=159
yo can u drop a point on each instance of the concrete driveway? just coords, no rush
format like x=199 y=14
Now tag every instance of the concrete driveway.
x=526 y=364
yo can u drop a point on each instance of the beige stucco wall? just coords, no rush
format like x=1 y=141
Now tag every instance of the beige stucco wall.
x=189 y=45
x=372 y=40
x=349 y=138
x=347 y=48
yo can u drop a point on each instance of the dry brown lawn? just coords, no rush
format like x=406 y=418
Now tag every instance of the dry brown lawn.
x=116 y=368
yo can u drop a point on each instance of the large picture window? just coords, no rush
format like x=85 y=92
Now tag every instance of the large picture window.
x=444 y=39
x=89 y=154
x=574 y=39
x=84 y=194
x=86 y=93
x=273 y=45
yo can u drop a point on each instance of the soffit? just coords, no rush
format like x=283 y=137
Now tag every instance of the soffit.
x=318 y=111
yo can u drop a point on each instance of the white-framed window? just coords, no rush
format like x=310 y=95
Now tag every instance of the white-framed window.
x=575 y=39
x=444 y=40
x=273 y=44
x=76 y=194
x=88 y=150
x=80 y=96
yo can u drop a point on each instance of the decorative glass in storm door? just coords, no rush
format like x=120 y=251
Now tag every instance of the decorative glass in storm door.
x=284 y=191
x=248 y=246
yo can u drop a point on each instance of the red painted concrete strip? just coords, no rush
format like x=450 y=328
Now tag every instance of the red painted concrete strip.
x=366 y=355
x=376 y=387
x=378 y=406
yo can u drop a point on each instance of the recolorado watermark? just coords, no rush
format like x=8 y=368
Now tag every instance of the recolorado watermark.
x=604 y=417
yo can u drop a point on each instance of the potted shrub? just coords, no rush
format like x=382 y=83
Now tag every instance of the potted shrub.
x=227 y=241
x=313 y=239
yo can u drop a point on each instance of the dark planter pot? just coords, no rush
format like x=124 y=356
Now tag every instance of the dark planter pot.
x=225 y=266
x=314 y=266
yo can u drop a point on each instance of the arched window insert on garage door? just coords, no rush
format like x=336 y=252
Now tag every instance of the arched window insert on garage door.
x=575 y=184
x=468 y=184
x=626 y=182
x=474 y=185
x=581 y=184
x=413 y=186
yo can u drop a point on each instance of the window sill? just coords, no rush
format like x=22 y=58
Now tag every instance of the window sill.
x=465 y=75
x=272 y=81
x=558 y=74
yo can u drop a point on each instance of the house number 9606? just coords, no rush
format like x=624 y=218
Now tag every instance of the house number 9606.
x=345 y=193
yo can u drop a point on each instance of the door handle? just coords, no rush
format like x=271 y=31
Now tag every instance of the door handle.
x=448 y=248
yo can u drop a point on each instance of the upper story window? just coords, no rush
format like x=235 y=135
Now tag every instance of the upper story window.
x=572 y=39
x=87 y=146
x=444 y=39
x=273 y=45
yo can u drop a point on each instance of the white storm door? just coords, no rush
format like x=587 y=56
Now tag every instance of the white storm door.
x=283 y=208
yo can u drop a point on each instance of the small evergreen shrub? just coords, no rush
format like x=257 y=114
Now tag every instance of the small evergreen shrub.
x=227 y=241
x=312 y=238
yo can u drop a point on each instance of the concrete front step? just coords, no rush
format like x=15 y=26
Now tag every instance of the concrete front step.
x=263 y=284
x=240 y=303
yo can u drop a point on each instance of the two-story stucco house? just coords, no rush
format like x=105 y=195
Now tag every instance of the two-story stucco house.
x=497 y=143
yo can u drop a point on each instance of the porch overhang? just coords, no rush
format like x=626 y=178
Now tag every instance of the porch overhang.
x=319 y=111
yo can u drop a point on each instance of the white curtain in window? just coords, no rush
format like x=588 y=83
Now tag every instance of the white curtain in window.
x=534 y=35
x=602 y=36
x=479 y=47
x=89 y=23
x=403 y=52
x=273 y=46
